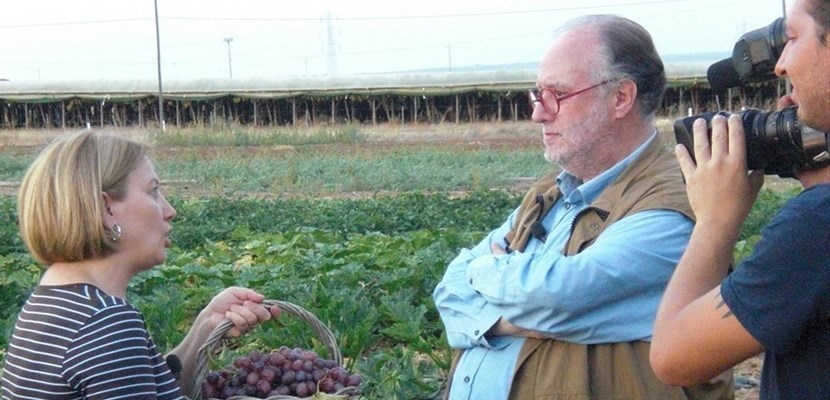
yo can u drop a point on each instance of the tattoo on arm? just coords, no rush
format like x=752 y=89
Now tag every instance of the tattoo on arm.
x=722 y=304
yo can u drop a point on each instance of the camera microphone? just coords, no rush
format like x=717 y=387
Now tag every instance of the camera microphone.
x=753 y=58
x=722 y=75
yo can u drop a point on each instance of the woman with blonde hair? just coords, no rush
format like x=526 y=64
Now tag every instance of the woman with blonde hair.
x=91 y=212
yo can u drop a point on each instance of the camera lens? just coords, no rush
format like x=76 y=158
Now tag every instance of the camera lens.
x=773 y=139
x=776 y=142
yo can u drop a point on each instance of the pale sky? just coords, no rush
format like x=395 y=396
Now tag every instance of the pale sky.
x=50 y=40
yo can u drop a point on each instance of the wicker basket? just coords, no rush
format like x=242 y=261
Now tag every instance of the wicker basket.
x=214 y=341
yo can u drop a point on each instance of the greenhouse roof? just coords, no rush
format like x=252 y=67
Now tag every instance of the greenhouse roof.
x=681 y=74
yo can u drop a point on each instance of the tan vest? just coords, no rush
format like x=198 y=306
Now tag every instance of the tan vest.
x=652 y=181
x=553 y=369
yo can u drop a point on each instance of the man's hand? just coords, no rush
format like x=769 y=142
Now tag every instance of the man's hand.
x=504 y=328
x=497 y=250
x=720 y=191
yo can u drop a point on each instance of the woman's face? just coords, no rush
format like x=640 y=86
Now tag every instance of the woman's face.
x=144 y=216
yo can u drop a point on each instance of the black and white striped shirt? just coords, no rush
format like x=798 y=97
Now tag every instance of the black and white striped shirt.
x=77 y=342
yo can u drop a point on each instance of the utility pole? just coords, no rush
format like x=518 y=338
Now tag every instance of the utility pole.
x=331 y=53
x=230 y=67
x=158 y=63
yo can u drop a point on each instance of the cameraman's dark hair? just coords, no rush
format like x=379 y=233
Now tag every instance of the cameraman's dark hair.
x=820 y=11
x=629 y=52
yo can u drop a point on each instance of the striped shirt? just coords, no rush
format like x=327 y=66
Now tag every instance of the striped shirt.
x=77 y=342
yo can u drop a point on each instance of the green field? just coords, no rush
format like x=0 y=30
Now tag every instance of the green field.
x=355 y=226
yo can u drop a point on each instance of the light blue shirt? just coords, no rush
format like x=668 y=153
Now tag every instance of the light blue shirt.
x=607 y=293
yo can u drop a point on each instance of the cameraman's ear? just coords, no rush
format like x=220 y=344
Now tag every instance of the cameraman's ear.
x=626 y=97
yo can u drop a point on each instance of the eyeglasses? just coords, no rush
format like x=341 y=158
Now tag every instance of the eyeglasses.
x=549 y=100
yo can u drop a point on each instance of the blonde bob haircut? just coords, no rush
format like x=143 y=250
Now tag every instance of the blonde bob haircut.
x=60 y=205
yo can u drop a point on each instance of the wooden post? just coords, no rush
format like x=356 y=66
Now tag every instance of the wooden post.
x=457 y=109
x=728 y=102
x=695 y=101
x=293 y=111
x=415 y=103
x=213 y=114
x=374 y=112
x=63 y=115
x=346 y=107
x=430 y=105
x=471 y=108
x=310 y=118
x=46 y=116
x=332 y=110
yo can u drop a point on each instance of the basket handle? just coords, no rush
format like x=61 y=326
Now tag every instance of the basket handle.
x=213 y=340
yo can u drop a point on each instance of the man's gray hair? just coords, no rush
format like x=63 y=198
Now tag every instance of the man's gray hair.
x=627 y=51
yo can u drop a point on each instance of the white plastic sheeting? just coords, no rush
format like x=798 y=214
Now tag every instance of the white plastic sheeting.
x=406 y=84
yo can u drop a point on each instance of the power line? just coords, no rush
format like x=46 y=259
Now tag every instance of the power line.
x=102 y=21
x=243 y=60
x=431 y=16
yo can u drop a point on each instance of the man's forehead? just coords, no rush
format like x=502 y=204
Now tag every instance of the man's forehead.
x=562 y=73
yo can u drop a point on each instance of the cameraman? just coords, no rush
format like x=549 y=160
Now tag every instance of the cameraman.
x=778 y=300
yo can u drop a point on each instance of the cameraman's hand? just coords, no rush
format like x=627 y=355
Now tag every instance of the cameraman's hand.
x=720 y=191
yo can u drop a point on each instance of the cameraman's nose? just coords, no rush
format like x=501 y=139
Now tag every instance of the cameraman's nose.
x=780 y=70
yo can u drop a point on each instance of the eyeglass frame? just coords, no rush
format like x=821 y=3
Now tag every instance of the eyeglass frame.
x=534 y=99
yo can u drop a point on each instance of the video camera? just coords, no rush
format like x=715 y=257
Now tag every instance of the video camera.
x=776 y=141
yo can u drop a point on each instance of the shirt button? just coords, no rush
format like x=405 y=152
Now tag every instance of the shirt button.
x=567 y=206
x=471 y=281
x=466 y=379
x=476 y=332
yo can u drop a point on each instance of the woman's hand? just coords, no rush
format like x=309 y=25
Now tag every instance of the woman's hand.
x=242 y=306
x=245 y=310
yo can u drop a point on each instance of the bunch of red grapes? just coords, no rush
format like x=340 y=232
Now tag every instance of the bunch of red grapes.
x=286 y=372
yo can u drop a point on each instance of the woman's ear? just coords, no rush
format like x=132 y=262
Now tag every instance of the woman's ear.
x=106 y=212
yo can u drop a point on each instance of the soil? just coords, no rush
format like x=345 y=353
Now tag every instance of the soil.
x=747 y=378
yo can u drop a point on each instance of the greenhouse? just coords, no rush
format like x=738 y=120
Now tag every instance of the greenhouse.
x=404 y=98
